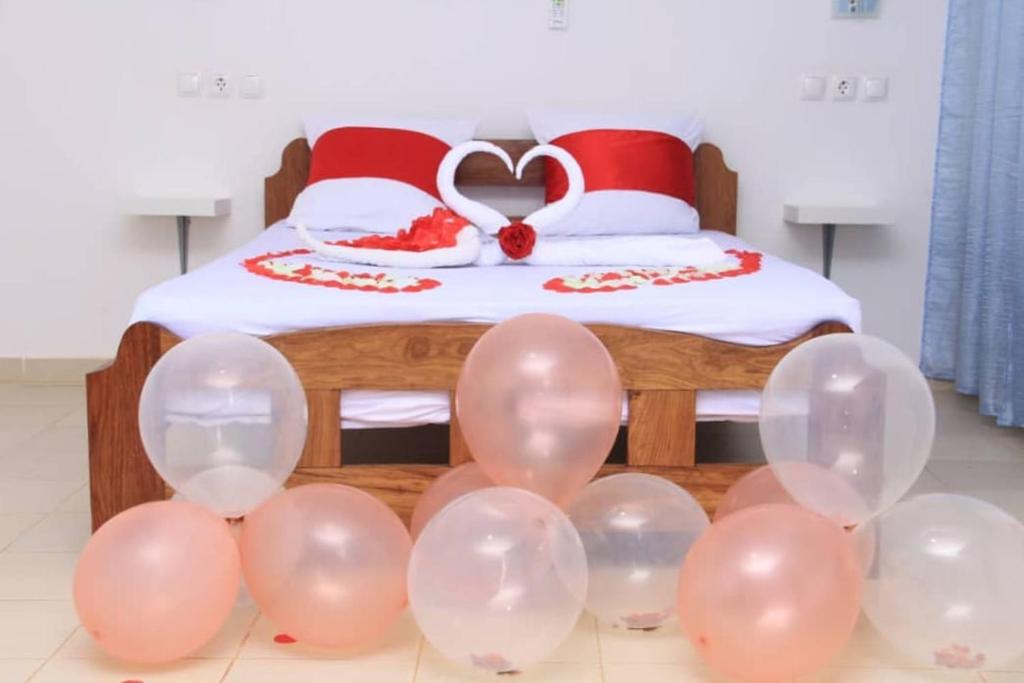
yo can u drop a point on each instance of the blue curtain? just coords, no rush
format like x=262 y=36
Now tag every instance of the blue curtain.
x=974 y=301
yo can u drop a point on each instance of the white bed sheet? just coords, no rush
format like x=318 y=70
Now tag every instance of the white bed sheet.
x=776 y=303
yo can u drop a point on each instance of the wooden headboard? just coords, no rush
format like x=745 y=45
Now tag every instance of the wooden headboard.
x=716 y=182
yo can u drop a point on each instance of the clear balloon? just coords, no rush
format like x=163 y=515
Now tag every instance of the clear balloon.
x=539 y=402
x=497 y=579
x=636 y=530
x=770 y=593
x=828 y=493
x=457 y=482
x=157 y=582
x=854 y=405
x=326 y=563
x=223 y=420
x=946 y=586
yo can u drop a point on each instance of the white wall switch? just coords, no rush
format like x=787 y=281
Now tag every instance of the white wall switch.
x=251 y=87
x=855 y=9
x=219 y=85
x=558 y=16
x=812 y=87
x=844 y=88
x=188 y=84
x=876 y=88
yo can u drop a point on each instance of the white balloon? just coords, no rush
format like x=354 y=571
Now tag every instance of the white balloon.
x=947 y=583
x=223 y=420
x=636 y=530
x=856 y=406
x=497 y=579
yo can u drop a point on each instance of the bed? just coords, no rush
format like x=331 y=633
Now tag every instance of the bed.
x=689 y=343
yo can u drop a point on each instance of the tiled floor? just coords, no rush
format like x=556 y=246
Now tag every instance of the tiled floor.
x=44 y=522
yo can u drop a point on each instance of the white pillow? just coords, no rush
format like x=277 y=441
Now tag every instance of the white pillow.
x=374 y=174
x=638 y=171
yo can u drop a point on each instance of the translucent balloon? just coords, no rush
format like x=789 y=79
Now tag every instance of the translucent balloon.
x=770 y=593
x=443 y=490
x=857 y=406
x=157 y=582
x=947 y=586
x=636 y=530
x=327 y=564
x=223 y=420
x=828 y=493
x=539 y=402
x=497 y=579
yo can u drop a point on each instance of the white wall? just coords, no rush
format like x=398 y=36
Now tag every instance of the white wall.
x=89 y=113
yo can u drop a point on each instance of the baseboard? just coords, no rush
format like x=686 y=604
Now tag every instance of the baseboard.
x=67 y=371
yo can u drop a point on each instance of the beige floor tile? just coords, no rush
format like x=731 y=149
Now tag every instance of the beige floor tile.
x=59 y=440
x=46 y=466
x=81 y=646
x=18 y=670
x=34 y=630
x=319 y=671
x=77 y=418
x=25 y=415
x=40 y=395
x=34 y=496
x=437 y=670
x=962 y=434
x=12 y=438
x=1000 y=483
x=60 y=532
x=1003 y=676
x=667 y=645
x=95 y=671
x=77 y=502
x=36 y=576
x=873 y=675
x=658 y=673
x=867 y=648
x=401 y=644
x=13 y=526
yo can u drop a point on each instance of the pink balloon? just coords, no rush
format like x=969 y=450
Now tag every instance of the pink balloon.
x=156 y=582
x=327 y=563
x=459 y=481
x=539 y=402
x=832 y=495
x=770 y=593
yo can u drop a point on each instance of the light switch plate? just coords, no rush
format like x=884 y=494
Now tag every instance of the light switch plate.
x=812 y=87
x=876 y=88
x=188 y=84
x=251 y=87
x=855 y=9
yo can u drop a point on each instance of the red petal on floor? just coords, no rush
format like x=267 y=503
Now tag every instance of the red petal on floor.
x=283 y=639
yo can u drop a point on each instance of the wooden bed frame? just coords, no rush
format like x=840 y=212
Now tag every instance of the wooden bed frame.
x=662 y=371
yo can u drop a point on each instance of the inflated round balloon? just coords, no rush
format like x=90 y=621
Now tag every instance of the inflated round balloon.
x=223 y=420
x=854 y=405
x=829 y=494
x=326 y=563
x=457 y=482
x=497 y=579
x=539 y=403
x=770 y=593
x=157 y=582
x=946 y=586
x=636 y=530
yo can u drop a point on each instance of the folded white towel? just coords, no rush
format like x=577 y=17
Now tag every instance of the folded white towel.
x=624 y=250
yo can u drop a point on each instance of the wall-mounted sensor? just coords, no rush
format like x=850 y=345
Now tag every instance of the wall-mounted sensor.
x=855 y=9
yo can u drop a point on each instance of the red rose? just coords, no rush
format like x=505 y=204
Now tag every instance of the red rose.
x=517 y=240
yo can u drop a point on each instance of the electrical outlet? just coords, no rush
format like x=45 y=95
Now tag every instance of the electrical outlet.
x=220 y=85
x=844 y=88
x=855 y=9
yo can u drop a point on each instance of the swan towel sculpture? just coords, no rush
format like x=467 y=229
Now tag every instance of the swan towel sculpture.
x=464 y=233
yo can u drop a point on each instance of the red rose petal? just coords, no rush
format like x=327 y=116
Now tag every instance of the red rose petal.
x=284 y=639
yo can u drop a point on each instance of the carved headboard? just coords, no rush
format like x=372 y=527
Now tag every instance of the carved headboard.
x=716 y=182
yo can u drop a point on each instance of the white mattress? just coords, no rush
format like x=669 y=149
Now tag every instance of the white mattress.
x=776 y=302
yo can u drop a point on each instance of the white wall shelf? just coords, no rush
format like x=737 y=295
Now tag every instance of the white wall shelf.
x=183 y=208
x=829 y=216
